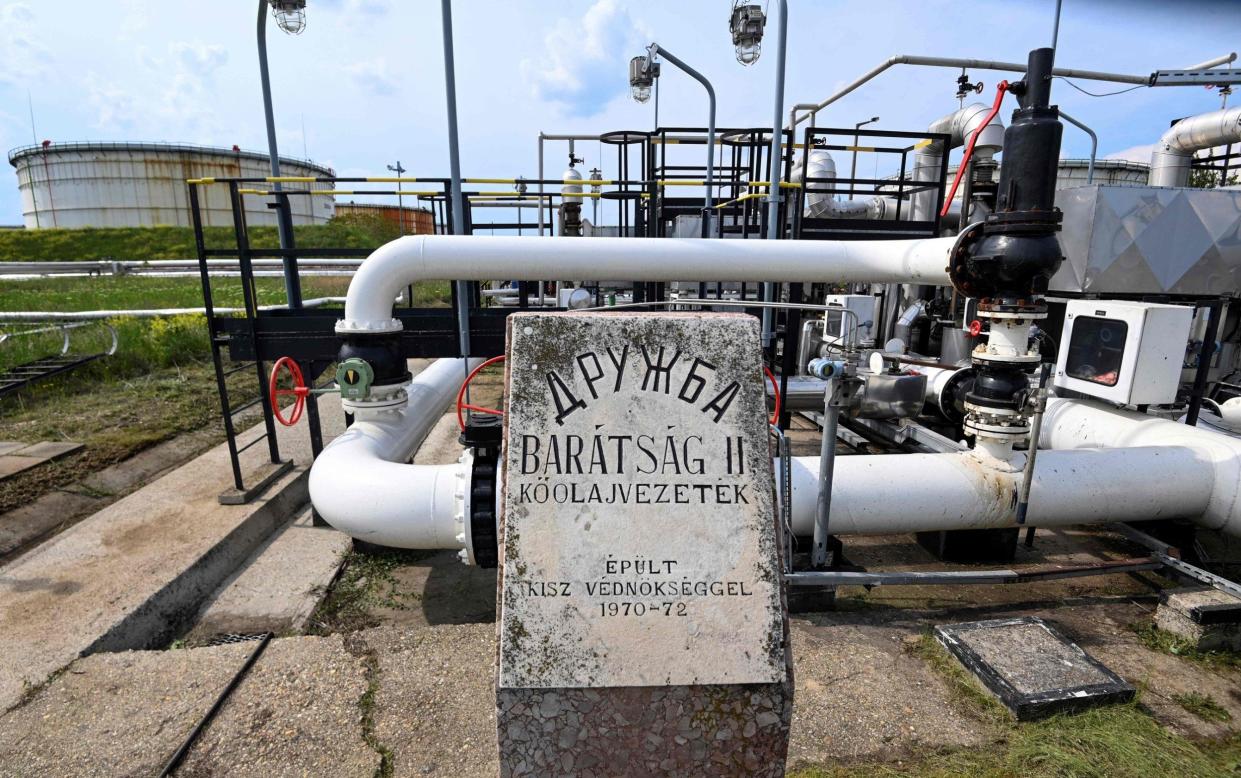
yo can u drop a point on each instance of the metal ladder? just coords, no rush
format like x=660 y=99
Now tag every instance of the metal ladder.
x=19 y=377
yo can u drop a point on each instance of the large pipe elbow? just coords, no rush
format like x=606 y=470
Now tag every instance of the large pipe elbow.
x=361 y=485
x=1174 y=153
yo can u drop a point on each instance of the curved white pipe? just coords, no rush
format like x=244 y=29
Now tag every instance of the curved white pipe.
x=891 y=493
x=413 y=258
x=361 y=485
x=1072 y=424
x=1170 y=161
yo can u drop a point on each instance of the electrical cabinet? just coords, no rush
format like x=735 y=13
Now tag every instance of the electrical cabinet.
x=1125 y=352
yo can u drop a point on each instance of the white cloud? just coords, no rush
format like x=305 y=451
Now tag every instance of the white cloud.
x=172 y=99
x=23 y=58
x=1133 y=153
x=373 y=76
x=583 y=64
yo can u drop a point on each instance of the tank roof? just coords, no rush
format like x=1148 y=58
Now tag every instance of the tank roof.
x=159 y=148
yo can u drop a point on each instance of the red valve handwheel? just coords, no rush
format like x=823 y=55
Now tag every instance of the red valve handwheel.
x=975 y=328
x=299 y=390
x=463 y=405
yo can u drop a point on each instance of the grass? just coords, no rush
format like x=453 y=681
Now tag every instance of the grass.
x=1111 y=742
x=115 y=419
x=144 y=243
x=1168 y=643
x=965 y=691
x=366 y=581
x=1203 y=706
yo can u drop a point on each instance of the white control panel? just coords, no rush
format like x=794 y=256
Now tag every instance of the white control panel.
x=1125 y=352
x=865 y=308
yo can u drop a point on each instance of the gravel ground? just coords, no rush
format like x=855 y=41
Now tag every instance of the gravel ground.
x=860 y=695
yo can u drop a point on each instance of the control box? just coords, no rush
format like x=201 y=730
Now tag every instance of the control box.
x=865 y=308
x=1125 y=352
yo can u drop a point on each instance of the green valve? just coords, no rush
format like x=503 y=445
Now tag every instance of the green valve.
x=354 y=377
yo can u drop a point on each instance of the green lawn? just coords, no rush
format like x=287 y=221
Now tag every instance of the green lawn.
x=141 y=243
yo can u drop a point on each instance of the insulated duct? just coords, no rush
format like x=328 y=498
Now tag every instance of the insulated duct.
x=820 y=204
x=1170 y=161
x=959 y=125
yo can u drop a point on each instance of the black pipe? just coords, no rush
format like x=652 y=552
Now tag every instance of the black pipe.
x=1215 y=308
x=179 y=756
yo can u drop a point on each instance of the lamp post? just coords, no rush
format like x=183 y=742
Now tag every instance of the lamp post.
x=746 y=24
x=853 y=165
x=454 y=190
x=643 y=71
x=400 y=203
x=291 y=17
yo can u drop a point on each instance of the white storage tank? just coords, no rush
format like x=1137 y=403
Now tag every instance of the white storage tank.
x=121 y=184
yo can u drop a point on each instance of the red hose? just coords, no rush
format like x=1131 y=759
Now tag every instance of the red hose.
x=775 y=390
x=1000 y=89
x=463 y=405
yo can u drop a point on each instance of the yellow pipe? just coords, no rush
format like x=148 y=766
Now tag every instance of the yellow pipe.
x=749 y=196
x=292 y=179
x=390 y=180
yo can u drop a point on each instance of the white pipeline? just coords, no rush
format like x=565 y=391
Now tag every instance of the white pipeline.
x=1074 y=424
x=368 y=306
x=890 y=493
x=362 y=486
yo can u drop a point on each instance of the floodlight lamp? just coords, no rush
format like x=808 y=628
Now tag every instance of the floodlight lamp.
x=290 y=15
x=747 y=24
x=641 y=78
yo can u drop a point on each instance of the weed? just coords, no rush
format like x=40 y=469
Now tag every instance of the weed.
x=366 y=581
x=1168 y=643
x=1203 y=706
x=964 y=689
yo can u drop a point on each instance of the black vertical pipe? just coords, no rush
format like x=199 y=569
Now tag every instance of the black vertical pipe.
x=1215 y=308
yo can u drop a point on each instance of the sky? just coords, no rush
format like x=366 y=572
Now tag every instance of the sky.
x=363 y=86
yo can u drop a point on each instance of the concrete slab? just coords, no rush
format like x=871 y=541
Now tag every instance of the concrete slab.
x=23 y=458
x=295 y=713
x=1207 y=617
x=1033 y=669
x=25 y=526
x=47 y=450
x=435 y=707
x=9 y=446
x=133 y=574
x=279 y=586
x=11 y=464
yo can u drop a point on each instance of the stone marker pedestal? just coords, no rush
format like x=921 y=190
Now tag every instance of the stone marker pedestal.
x=642 y=626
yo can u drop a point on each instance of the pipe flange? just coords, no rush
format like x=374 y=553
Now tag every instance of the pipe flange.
x=991 y=308
x=977 y=411
x=981 y=355
x=355 y=327
x=382 y=398
x=996 y=431
x=483 y=530
x=461 y=508
x=959 y=255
